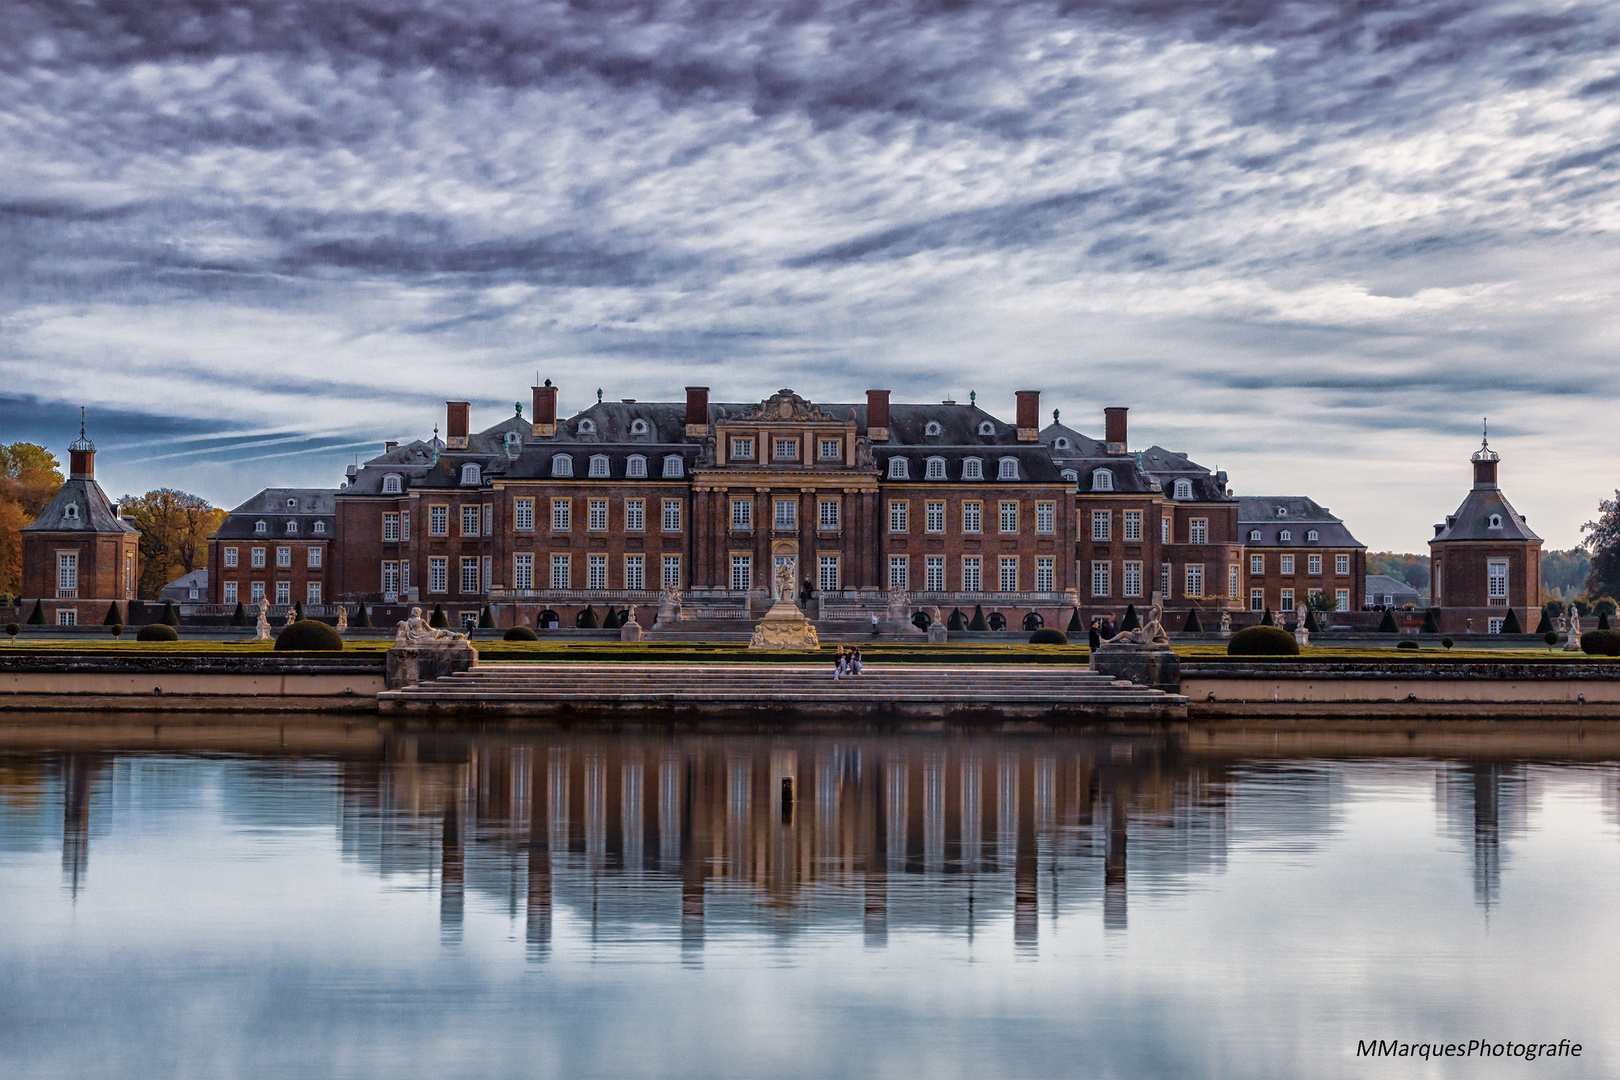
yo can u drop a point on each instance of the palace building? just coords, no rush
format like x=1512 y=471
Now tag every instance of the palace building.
x=539 y=518
x=1484 y=561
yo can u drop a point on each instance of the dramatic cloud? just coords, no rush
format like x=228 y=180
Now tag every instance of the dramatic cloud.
x=1311 y=244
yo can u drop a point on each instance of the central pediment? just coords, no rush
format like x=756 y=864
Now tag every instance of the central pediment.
x=786 y=405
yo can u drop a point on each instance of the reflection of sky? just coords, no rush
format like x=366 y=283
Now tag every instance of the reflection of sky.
x=264 y=918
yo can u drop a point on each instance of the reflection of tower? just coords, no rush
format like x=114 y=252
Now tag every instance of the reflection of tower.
x=1025 y=863
x=934 y=812
x=452 y=875
x=538 y=928
x=693 y=862
x=1487 y=833
x=77 y=771
x=1484 y=804
x=896 y=812
x=1114 y=897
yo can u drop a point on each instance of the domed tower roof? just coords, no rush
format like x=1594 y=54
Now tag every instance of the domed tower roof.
x=1485 y=514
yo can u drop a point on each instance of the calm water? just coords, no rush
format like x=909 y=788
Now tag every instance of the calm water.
x=307 y=903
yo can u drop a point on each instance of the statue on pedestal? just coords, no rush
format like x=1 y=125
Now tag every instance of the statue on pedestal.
x=292 y=617
x=415 y=633
x=1572 y=642
x=343 y=618
x=630 y=630
x=669 y=608
x=1226 y=624
x=784 y=626
x=1301 y=635
x=263 y=625
x=1151 y=632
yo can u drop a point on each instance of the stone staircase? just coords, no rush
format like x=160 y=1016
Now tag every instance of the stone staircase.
x=777 y=691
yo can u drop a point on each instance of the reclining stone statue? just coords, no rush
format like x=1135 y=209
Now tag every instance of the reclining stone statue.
x=415 y=633
x=1151 y=632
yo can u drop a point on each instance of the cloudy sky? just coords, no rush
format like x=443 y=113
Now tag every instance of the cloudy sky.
x=1309 y=244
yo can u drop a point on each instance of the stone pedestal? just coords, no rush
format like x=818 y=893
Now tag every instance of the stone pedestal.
x=630 y=631
x=1147 y=665
x=409 y=665
x=784 y=627
x=936 y=634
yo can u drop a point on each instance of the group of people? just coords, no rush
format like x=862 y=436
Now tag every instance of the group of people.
x=846 y=662
x=1100 y=631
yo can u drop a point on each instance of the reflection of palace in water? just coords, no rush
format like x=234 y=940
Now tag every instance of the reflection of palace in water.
x=627 y=835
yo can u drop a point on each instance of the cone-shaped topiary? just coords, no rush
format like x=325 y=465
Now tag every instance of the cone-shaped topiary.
x=170 y=617
x=239 y=616
x=1131 y=621
x=610 y=619
x=1267 y=620
x=112 y=615
x=1046 y=635
x=520 y=633
x=298 y=610
x=486 y=619
x=1545 y=625
x=957 y=620
x=437 y=620
x=1262 y=641
x=1312 y=626
x=1511 y=624
x=37 y=616
x=587 y=619
x=309 y=635
x=363 y=616
x=158 y=632
x=1193 y=626
x=1603 y=621
x=978 y=621
x=1075 y=625
x=1388 y=625
x=1432 y=626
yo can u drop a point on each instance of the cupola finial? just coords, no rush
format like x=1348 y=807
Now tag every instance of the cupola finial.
x=1485 y=453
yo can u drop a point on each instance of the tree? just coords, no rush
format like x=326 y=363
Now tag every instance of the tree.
x=1603 y=542
x=1565 y=571
x=29 y=479
x=175 y=527
x=1412 y=569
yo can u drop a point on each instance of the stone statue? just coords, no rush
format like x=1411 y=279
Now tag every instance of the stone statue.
x=1301 y=635
x=630 y=629
x=1226 y=624
x=669 y=607
x=784 y=626
x=343 y=618
x=292 y=617
x=415 y=633
x=1151 y=632
x=1572 y=643
x=263 y=625
x=784 y=583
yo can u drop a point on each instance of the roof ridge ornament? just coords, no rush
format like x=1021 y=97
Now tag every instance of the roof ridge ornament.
x=1485 y=453
x=82 y=444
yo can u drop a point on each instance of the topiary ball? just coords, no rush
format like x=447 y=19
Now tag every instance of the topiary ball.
x=158 y=632
x=1550 y=637
x=1601 y=643
x=1262 y=641
x=1447 y=642
x=116 y=629
x=13 y=629
x=1407 y=645
x=1047 y=635
x=309 y=635
x=520 y=633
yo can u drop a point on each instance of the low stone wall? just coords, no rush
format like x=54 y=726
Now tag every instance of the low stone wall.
x=180 y=683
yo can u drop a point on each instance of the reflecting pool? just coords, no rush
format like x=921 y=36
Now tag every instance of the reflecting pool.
x=249 y=902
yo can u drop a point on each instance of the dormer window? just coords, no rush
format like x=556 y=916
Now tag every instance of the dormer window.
x=292 y=526
x=1254 y=536
x=319 y=529
x=933 y=428
x=1183 y=489
x=71 y=512
x=897 y=469
x=469 y=473
x=1060 y=443
x=1071 y=476
x=972 y=469
x=1102 y=480
x=261 y=527
x=587 y=427
x=1496 y=521
x=672 y=466
x=1285 y=536
x=987 y=429
x=392 y=484
x=638 y=427
x=1008 y=469
x=562 y=465
x=1282 y=511
x=636 y=466
x=936 y=468
x=1312 y=536
x=291 y=503
x=599 y=466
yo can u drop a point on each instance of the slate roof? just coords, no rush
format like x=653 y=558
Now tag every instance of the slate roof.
x=1084 y=456
x=1258 y=513
x=180 y=588
x=91 y=511
x=1167 y=467
x=1380 y=586
x=1035 y=465
x=270 y=506
x=1472 y=521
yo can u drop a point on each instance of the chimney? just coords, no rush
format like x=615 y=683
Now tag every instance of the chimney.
x=1114 y=428
x=877 y=415
x=455 y=424
x=545 y=412
x=697 y=411
x=1029 y=415
x=391 y=444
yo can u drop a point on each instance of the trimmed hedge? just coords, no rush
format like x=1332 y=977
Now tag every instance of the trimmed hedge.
x=1075 y=625
x=1047 y=635
x=309 y=635
x=1511 y=624
x=1312 y=624
x=116 y=630
x=486 y=619
x=978 y=621
x=239 y=617
x=37 y=616
x=111 y=618
x=1267 y=620
x=1603 y=620
x=158 y=632
x=13 y=629
x=1131 y=621
x=1545 y=625
x=957 y=620
x=520 y=633
x=1432 y=626
x=170 y=617
x=437 y=619
x=363 y=616
x=1193 y=626
x=1262 y=641
x=1407 y=645
x=1388 y=625
x=587 y=619
x=1601 y=643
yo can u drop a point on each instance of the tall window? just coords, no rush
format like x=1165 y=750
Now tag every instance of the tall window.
x=742 y=449
x=1164 y=530
x=830 y=449
x=1164 y=581
x=827 y=515
x=523 y=570
x=1257 y=564
x=972 y=469
x=1009 y=573
x=635 y=571
x=742 y=513
x=283 y=556
x=1287 y=565
x=469 y=573
x=313 y=558
x=899 y=516
x=390 y=527
x=787 y=449
x=230 y=592
x=936 y=468
x=562 y=574
x=934 y=573
x=672 y=515
x=1313 y=564
x=1195 y=579
x=438 y=574
x=1045 y=517
x=672 y=572
x=742 y=572
x=596 y=571
x=1341 y=564
x=1102 y=523
x=786 y=514
x=1009 y=517
x=404 y=524
x=312 y=593
x=562 y=515
x=972 y=581
x=1198 y=531
x=827 y=573
x=1133 y=578
x=1233 y=584
x=1496 y=576
x=67 y=572
x=970 y=518
x=256 y=592
x=596 y=515
x=230 y=557
x=1341 y=599
x=438 y=520
x=256 y=557
x=404 y=576
x=934 y=517
x=1133 y=525
x=1257 y=599
x=487 y=566
x=489 y=520
x=283 y=592
x=899 y=572
x=1101 y=583
x=635 y=515
x=1288 y=599
x=1044 y=574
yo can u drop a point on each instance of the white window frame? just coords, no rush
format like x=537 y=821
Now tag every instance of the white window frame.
x=256 y=592
x=562 y=466
x=1007 y=573
x=785 y=515
x=1102 y=577
x=1313 y=565
x=470 y=520
x=523 y=571
x=674 y=467
x=973 y=468
x=827 y=573
x=1341 y=564
x=67 y=571
x=1183 y=489
x=1341 y=599
x=438 y=574
x=972 y=574
x=1193 y=580
x=1287 y=601
x=229 y=596
x=1007 y=514
x=827 y=516
x=672 y=516
x=742 y=572
x=1102 y=480
x=1257 y=599
x=635 y=572
x=1131 y=578
x=1234 y=580
x=900 y=572
x=1285 y=565
x=784 y=449
x=562 y=571
x=562 y=515
x=832 y=449
x=283 y=592
x=934 y=573
x=972 y=517
x=596 y=515
x=439 y=520
x=898 y=469
x=1045 y=517
x=1132 y=525
x=283 y=557
x=1102 y=526
x=1045 y=574
x=742 y=448
x=1007 y=469
x=935 y=469
x=1198 y=531
x=596 y=574
x=1496 y=579
x=312 y=592
x=390 y=525
x=934 y=516
x=230 y=558
x=67 y=617
x=899 y=516
x=670 y=569
x=635 y=466
x=469 y=574
x=470 y=473
x=256 y=558
x=523 y=515
x=1257 y=564
x=635 y=515
x=742 y=515
x=313 y=558
x=598 y=468
x=393 y=484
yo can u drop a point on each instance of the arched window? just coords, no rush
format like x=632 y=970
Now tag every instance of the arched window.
x=638 y=427
x=1183 y=489
x=1254 y=536
x=260 y=527
x=636 y=466
x=1312 y=536
x=933 y=428
x=320 y=528
x=587 y=427
x=1102 y=480
x=972 y=469
x=562 y=465
x=1496 y=521
x=897 y=469
x=1060 y=444
x=936 y=468
x=1008 y=469
x=1071 y=476
x=672 y=465
x=392 y=484
x=599 y=466
x=469 y=473
x=1285 y=536
x=987 y=428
